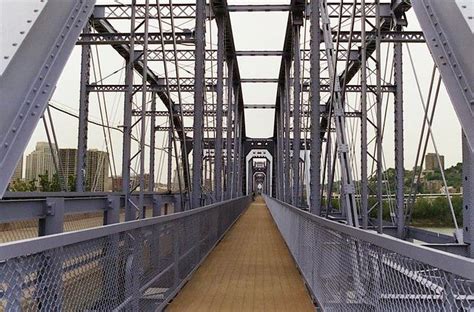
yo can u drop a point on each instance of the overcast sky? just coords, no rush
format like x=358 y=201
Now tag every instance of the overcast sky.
x=257 y=31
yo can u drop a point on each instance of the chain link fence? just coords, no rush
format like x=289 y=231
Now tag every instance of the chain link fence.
x=138 y=265
x=349 y=269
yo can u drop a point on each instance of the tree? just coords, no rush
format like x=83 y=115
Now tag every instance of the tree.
x=22 y=186
x=71 y=183
x=55 y=185
x=44 y=183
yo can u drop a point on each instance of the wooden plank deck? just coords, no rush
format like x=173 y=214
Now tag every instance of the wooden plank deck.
x=251 y=269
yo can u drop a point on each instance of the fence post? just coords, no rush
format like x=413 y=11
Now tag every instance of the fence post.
x=112 y=210
x=157 y=203
x=53 y=222
x=177 y=204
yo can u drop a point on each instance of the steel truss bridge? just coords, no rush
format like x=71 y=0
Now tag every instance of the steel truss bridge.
x=321 y=173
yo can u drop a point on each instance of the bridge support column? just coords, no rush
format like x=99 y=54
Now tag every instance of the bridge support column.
x=53 y=222
x=279 y=152
x=83 y=115
x=219 y=108
x=112 y=211
x=236 y=128
x=297 y=22
x=199 y=91
x=315 y=153
x=130 y=211
x=287 y=133
x=151 y=178
x=230 y=99
x=468 y=195
x=157 y=203
x=364 y=190
x=399 y=151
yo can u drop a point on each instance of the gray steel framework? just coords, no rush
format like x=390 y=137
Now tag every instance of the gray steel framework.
x=316 y=124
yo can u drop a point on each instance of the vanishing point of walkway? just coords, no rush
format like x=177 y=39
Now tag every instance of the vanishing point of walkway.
x=251 y=269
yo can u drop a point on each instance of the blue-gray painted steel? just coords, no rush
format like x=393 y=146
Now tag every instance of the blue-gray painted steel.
x=350 y=269
x=315 y=153
x=451 y=42
x=199 y=97
x=131 y=261
x=28 y=82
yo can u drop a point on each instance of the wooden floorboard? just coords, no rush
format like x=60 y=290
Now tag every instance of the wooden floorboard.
x=251 y=269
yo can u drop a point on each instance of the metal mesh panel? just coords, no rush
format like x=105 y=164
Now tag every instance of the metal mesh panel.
x=137 y=268
x=346 y=273
x=83 y=221
x=17 y=230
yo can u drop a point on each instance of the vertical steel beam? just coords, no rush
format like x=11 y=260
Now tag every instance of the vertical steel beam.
x=468 y=194
x=241 y=157
x=112 y=213
x=141 y=195
x=348 y=189
x=199 y=92
x=151 y=178
x=315 y=151
x=296 y=113
x=278 y=146
x=53 y=222
x=83 y=115
x=235 y=158
x=219 y=108
x=170 y=158
x=364 y=190
x=230 y=100
x=399 y=150
x=284 y=147
x=378 y=73
x=130 y=213
x=287 y=132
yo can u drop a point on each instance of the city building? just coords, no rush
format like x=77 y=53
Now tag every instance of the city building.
x=67 y=161
x=38 y=162
x=97 y=167
x=18 y=173
x=97 y=170
x=432 y=186
x=431 y=162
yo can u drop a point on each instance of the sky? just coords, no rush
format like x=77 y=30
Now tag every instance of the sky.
x=256 y=31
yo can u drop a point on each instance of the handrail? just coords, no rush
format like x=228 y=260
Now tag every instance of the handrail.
x=453 y=263
x=39 y=244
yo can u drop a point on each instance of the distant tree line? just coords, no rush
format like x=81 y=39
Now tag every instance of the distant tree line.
x=43 y=184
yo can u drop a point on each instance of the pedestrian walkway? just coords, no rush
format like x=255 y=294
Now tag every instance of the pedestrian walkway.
x=251 y=269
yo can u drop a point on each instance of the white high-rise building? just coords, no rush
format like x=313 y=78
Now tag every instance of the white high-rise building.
x=39 y=162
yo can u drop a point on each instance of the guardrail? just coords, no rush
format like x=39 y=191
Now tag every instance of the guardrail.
x=137 y=265
x=32 y=214
x=350 y=269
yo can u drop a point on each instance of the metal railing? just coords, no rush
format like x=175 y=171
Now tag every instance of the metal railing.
x=349 y=269
x=138 y=265
x=26 y=215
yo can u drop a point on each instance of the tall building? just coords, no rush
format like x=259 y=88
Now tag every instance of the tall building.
x=39 y=162
x=431 y=162
x=97 y=167
x=18 y=173
x=67 y=161
x=97 y=170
